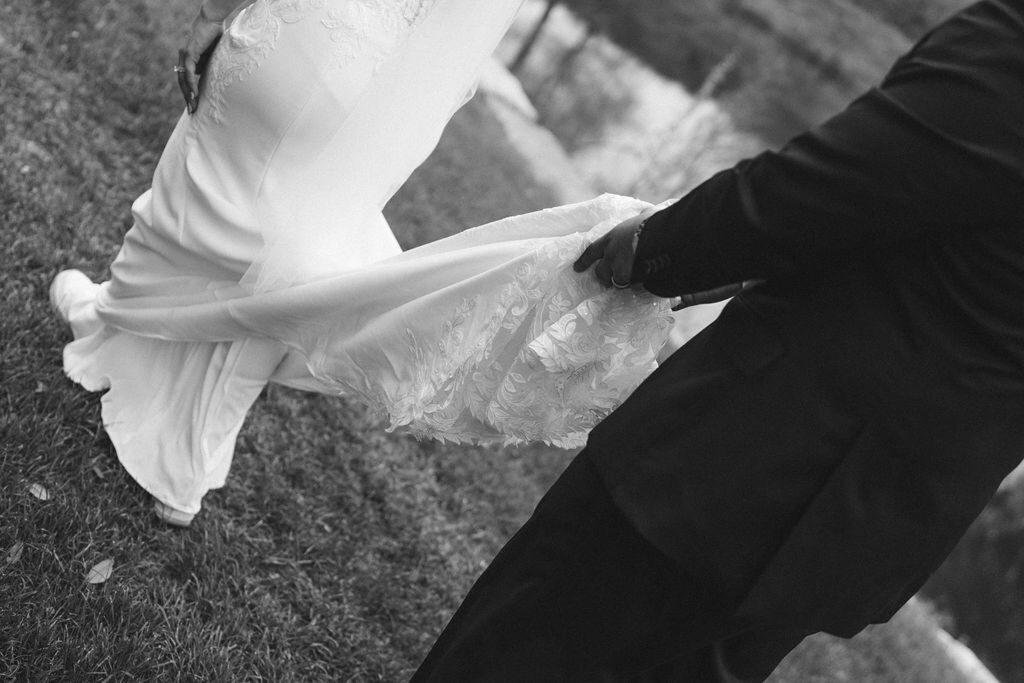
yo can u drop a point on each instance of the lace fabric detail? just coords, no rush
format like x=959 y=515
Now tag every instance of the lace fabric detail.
x=372 y=27
x=357 y=27
x=247 y=42
x=545 y=359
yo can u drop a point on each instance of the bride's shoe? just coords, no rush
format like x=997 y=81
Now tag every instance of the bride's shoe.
x=63 y=289
x=173 y=516
x=69 y=288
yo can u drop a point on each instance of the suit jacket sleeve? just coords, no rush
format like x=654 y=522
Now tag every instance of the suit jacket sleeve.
x=938 y=146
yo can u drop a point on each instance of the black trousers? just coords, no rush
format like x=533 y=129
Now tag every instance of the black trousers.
x=578 y=595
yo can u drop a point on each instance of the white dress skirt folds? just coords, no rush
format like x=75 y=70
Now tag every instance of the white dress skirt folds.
x=260 y=254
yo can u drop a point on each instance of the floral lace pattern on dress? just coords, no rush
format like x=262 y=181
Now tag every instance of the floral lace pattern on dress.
x=372 y=27
x=357 y=27
x=545 y=359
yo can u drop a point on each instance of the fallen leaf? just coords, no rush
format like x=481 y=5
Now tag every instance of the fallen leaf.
x=39 y=491
x=100 y=572
x=14 y=554
x=40 y=388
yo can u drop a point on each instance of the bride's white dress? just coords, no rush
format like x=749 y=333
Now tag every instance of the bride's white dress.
x=260 y=254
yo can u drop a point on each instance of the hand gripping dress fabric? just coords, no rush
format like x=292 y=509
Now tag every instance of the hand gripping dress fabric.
x=260 y=254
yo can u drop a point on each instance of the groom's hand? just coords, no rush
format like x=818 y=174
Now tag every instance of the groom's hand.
x=614 y=253
x=193 y=57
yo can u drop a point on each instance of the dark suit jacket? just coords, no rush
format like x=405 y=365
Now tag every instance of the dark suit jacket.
x=814 y=454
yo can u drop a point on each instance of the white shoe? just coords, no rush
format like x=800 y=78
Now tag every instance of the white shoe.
x=68 y=288
x=65 y=285
x=173 y=516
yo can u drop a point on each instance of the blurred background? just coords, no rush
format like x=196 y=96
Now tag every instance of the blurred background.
x=650 y=96
x=337 y=551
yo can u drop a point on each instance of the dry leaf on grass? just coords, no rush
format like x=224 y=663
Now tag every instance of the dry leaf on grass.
x=14 y=554
x=39 y=491
x=100 y=572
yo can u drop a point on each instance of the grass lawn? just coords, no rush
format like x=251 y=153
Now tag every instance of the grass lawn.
x=337 y=551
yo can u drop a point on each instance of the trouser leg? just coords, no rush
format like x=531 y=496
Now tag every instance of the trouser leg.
x=748 y=657
x=576 y=595
x=752 y=656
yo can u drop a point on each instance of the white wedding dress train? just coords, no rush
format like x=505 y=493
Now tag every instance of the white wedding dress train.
x=260 y=254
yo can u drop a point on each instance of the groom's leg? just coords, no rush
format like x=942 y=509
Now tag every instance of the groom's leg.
x=754 y=655
x=576 y=595
x=748 y=657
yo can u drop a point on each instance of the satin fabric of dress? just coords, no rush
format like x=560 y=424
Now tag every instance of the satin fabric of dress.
x=260 y=254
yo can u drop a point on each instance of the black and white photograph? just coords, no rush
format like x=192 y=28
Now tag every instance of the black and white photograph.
x=512 y=341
